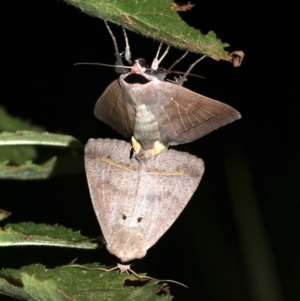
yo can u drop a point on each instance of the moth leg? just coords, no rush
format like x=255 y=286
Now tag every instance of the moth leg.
x=127 y=53
x=157 y=61
x=182 y=79
x=119 y=61
x=126 y=267
x=177 y=61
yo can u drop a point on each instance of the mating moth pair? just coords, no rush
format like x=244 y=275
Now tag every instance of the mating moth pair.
x=137 y=198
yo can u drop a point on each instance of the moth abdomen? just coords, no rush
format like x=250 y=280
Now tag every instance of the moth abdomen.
x=146 y=128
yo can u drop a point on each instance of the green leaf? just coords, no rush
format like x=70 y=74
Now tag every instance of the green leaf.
x=42 y=290
x=30 y=234
x=35 y=282
x=20 y=154
x=55 y=167
x=34 y=138
x=12 y=124
x=19 y=149
x=16 y=155
x=157 y=19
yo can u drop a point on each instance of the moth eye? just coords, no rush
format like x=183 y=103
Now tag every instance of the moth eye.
x=139 y=219
x=124 y=217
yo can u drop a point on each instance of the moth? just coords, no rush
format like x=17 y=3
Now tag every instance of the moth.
x=137 y=200
x=157 y=113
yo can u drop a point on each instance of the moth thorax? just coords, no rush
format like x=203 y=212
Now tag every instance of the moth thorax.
x=146 y=129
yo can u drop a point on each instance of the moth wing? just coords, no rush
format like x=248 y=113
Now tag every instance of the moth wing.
x=185 y=116
x=169 y=183
x=115 y=111
x=107 y=163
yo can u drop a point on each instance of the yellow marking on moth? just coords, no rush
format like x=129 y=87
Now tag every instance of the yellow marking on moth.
x=171 y=173
x=115 y=164
x=135 y=145
x=158 y=147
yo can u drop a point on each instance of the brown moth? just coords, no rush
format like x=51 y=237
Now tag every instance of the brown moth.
x=137 y=200
x=158 y=113
x=150 y=110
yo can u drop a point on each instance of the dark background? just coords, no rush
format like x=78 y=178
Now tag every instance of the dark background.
x=238 y=237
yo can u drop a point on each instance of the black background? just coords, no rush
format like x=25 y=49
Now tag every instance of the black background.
x=41 y=41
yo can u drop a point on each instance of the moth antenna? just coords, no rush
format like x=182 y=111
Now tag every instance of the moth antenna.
x=147 y=69
x=156 y=61
x=177 y=61
x=102 y=64
x=122 y=268
x=165 y=72
x=177 y=80
x=127 y=48
x=183 y=78
x=159 y=280
x=88 y=269
x=119 y=61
